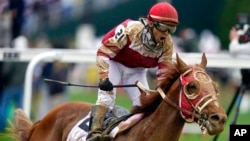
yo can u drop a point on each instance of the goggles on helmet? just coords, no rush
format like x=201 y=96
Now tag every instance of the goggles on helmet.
x=164 y=27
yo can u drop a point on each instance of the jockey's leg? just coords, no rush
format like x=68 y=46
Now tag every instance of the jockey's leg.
x=133 y=92
x=97 y=116
x=105 y=101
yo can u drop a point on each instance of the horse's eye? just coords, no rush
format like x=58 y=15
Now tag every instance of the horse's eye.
x=192 y=88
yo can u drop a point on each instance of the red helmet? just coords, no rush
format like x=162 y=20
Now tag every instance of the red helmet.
x=163 y=12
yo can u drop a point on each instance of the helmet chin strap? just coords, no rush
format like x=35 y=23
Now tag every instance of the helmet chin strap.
x=149 y=29
x=148 y=38
x=152 y=35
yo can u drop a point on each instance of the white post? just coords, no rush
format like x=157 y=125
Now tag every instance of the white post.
x=53 y=55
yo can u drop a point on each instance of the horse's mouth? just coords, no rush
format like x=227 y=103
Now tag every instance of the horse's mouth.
x=210 y=128
x=213 y=129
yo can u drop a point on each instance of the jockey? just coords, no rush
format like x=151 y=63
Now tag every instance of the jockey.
x=126 y=52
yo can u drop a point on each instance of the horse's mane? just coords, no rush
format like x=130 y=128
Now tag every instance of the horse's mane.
x=150 y=102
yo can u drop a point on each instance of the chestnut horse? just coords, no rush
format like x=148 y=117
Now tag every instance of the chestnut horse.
x=186 y=94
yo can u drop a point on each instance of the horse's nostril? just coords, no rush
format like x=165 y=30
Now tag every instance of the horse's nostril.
x=218 y=118
x=215 y=117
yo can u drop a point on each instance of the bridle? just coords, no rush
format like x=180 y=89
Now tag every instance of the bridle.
x=191 y=105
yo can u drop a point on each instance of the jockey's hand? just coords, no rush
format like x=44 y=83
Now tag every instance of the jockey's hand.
x=105 y=84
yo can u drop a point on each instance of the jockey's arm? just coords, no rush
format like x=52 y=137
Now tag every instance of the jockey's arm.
x=112 y=44
x=164 y=60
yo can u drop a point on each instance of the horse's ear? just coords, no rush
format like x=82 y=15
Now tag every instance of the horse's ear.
x=181 y=64
x=204 y=61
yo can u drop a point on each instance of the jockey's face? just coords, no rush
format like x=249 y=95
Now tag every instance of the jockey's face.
x=160 y=36
x=158 y=32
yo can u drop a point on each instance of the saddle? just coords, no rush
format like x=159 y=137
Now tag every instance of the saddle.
x=113 y=121
x=116 y=125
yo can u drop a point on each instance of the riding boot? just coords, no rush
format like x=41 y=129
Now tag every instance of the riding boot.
x=97 y=114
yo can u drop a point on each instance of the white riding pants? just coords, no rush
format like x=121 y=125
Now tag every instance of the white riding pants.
x=120 y=74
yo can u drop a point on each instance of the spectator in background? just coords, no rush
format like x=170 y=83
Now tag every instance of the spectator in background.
x=13 y=76
x=188 y=40
x=209 y=42
x=48 y=94
x=4 y=24
x=57 y=92
x=236 y=48
x=17 y=9
x=240 y=45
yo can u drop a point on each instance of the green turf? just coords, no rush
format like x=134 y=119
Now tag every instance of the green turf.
x=5 y=138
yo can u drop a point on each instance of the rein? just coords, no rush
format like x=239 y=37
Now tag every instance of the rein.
x=166 y=99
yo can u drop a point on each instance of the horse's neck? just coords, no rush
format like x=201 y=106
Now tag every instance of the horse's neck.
x=166 y=119
x=169 y=123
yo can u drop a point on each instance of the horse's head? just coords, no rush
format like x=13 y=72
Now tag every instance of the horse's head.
x=198 y=99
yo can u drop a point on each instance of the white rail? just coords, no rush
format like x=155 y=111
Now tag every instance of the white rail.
x=222 y=60
x=35 y=56
x=45 y=56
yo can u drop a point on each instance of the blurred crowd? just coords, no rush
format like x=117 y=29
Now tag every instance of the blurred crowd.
x=36 y=15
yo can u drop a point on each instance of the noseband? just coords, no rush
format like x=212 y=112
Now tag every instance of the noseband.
x=191 y=105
